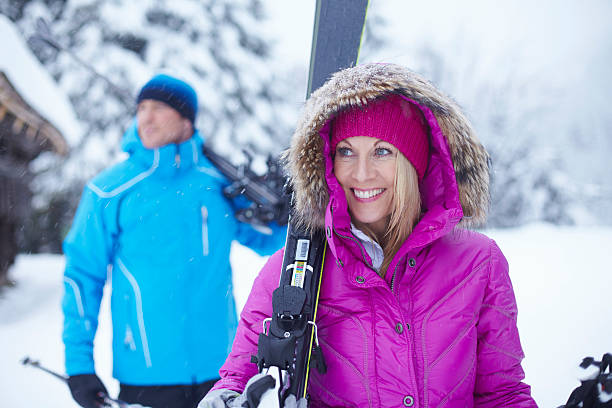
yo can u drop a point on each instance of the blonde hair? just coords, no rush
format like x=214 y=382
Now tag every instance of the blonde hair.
x=405 y=211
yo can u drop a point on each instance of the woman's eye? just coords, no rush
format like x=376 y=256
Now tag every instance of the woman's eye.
x=382 y=151
x=344 y=151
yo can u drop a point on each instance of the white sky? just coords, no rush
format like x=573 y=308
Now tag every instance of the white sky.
x=539 y=33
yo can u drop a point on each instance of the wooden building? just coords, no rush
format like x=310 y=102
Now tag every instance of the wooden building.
x=24 y=134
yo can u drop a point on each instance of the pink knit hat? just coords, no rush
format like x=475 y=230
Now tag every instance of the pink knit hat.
x=392 y=119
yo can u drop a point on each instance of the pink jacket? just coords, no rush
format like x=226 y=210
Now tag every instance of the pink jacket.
x=440 y=329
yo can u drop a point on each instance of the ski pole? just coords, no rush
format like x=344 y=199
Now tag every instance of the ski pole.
x=33 y=363
x=108 y=401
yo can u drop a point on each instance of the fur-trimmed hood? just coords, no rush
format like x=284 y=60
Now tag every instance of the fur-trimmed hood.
x=458 y=171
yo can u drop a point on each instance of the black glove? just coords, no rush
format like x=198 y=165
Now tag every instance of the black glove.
x=87 y=390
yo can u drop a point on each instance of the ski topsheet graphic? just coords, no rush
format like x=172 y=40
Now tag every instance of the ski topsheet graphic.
x=289 y=341
x=336 y=39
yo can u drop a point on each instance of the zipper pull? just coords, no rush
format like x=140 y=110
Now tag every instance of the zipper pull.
x=129 y=338
x=317 y=356
x=204 y=212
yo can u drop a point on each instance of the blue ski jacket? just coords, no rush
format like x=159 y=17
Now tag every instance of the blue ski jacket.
x=159 y=228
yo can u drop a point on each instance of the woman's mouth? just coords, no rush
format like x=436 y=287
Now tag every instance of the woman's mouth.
x=367 y=195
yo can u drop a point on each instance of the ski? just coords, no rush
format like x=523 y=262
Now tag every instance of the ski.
x=336 y=40
x=289 y=342
x=269 y=201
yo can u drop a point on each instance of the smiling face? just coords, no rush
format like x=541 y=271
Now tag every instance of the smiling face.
x=365 y=168
x=159 y=124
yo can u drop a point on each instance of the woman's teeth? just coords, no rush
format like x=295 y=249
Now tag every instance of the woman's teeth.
x=363 y=194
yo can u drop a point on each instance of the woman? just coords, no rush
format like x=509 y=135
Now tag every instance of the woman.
x=415 y=310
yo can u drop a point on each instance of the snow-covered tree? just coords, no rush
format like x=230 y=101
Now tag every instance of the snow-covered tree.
x=218 y=46
x=529 y=180
x=537 y=97
x=215 y=45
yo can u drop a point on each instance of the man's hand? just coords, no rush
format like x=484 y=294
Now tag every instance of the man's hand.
x=87 y=390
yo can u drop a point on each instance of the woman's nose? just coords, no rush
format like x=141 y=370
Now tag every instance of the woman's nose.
x=364 y=169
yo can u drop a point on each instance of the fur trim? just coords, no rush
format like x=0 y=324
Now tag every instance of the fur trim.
x=305 y=164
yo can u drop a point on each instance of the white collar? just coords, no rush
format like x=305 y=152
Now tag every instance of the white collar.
x=372 y=247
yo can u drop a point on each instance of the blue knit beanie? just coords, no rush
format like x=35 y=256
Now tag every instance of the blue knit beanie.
x=176 y=93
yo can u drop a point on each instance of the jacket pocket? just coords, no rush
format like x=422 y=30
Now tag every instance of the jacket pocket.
x=204 y=212
x=139 y=313
x=347 y=382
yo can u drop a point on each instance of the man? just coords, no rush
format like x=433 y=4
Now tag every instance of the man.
x=161 y=223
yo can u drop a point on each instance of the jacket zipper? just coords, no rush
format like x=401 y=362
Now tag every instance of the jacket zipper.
x=128 y=340
x=204 y=212
x=368 y=264
x=394 y=272
x=177 y=157
x=353 y=238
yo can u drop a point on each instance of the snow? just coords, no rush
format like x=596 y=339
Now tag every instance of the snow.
x=34 y=83
x=561 y=277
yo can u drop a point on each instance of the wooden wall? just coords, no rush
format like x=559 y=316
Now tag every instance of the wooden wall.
x=24 y=134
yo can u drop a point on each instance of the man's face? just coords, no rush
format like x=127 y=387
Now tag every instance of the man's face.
x=159 y=124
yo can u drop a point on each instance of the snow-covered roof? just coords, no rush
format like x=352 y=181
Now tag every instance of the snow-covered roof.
x=34 y=83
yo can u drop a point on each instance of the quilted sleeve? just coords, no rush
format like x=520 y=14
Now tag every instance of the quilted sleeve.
x=238 y=368
x=499 y=372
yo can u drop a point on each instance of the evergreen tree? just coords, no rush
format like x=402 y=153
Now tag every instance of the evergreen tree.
x=529 y=182
x=218 y=46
